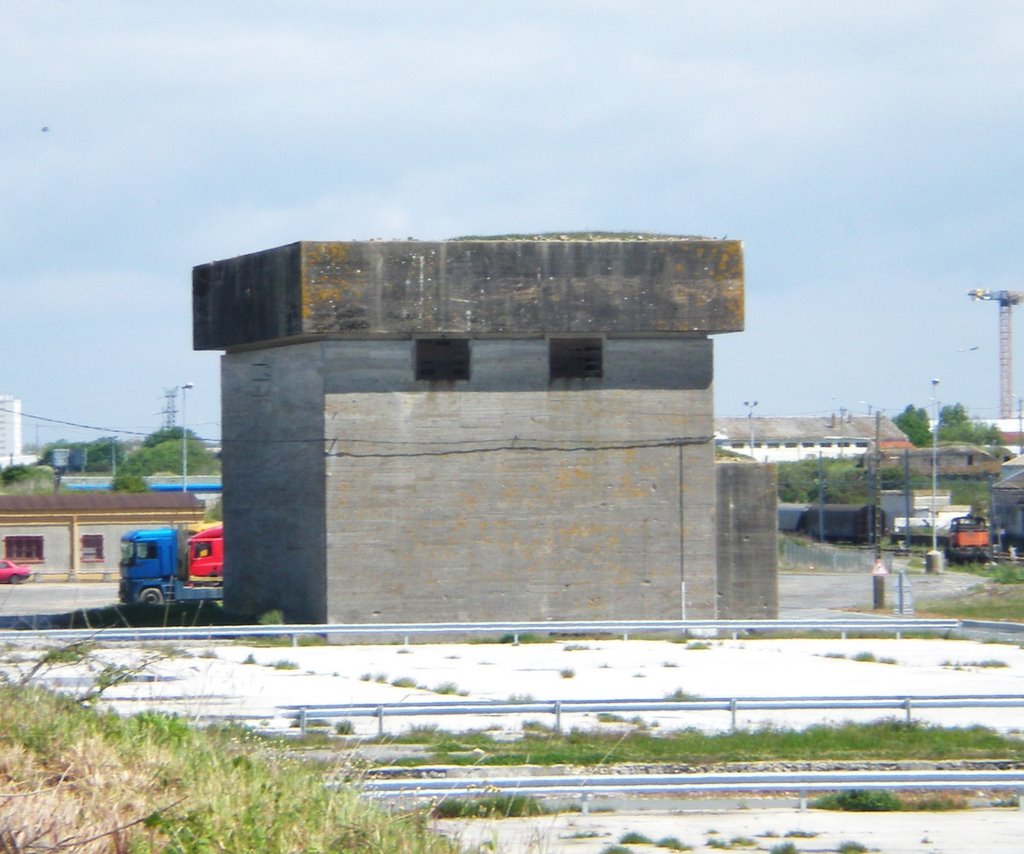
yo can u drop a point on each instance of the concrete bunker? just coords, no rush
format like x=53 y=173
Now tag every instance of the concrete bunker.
x=477 y=429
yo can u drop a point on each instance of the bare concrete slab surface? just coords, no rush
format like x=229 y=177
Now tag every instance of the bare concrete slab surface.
x=988 y=830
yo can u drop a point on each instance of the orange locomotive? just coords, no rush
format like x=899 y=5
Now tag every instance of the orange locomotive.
x=968 y=540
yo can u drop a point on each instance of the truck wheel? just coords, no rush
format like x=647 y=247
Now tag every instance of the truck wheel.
x=151 y=596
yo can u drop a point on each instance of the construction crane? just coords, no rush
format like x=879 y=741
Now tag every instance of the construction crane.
x=1006 y=300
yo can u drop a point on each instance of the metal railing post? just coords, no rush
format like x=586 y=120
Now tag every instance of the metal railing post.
x=732 y=713
x=380 y=721
x=907 y=705
x=558 y=715
x=302 y=721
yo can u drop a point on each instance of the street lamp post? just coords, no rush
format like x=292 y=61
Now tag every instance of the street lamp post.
x=935 y=461
x=184 y=440
x=750 y=404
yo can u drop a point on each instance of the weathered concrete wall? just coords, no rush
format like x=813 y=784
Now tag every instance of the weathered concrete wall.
x=522 y=502
x=273 y=467
x=470 y=287
x=747 y=536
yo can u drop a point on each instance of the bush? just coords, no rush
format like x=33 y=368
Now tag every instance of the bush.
x=859 y=800
x=496 y=806
x=633 y=838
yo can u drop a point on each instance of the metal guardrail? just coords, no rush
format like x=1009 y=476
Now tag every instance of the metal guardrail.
x=587 y=786
x=305 y=714
x=992 y=626
x=621 y=628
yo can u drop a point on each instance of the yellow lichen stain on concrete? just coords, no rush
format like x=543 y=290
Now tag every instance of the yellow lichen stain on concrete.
x=328 y=280
x=568 y=477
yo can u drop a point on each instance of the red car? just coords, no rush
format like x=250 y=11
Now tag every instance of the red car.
x=13 y=573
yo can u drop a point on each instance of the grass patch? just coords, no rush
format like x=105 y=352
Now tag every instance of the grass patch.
x=882 y=800
x=988 y=662
x=859 y=800
x=673 y=844
x=152 y=783
x=524 y=638
x=984 y=602
x=201 y=613
x=1004 y=573
x=284 y=640
x=682 y=696
x=496 y=806
x=887 y=740
x=632 y=837
x=735 y=842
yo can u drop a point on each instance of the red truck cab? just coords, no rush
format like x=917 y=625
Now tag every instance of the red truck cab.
x=206 y=553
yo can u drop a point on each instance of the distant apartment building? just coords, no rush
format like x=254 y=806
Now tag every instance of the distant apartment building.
x=11 y=453
x=794 y=438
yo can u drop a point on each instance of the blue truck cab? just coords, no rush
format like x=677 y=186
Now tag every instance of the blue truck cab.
x=154 y=568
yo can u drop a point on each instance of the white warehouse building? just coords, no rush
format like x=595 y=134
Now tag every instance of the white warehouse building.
x=789 y=439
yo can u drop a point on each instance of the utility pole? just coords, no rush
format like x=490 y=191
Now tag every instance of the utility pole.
x=750 y=404
x=933 y=560
x=878 y=577
x=821 y=499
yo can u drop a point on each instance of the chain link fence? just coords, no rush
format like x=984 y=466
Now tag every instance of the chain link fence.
x=795 y=555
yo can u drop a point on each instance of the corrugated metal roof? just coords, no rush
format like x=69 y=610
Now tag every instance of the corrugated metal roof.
x=112 y=501
x=806 y=428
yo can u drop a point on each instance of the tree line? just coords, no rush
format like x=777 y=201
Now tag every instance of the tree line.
x=127 y=463
x=854 y=480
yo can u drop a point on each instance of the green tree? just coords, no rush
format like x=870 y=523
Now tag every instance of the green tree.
x=16 y=474
x=914 y=422
x=160 y=452
x=956 y=426
x=843 y=481
x=125 y=482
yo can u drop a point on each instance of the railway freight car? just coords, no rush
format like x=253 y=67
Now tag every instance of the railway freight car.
x=843 y=523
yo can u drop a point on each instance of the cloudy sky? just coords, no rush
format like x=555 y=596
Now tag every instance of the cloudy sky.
x=867 y=153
